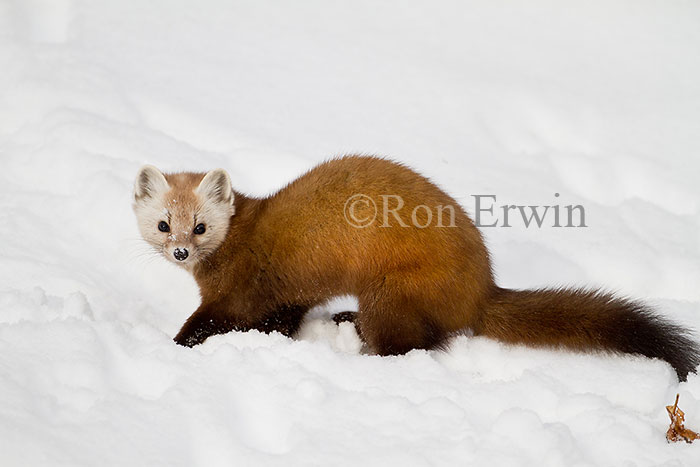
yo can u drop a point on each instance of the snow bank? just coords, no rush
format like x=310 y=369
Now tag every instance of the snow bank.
x=598 y=102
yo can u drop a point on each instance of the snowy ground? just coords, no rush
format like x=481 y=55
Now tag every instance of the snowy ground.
x=599 y=102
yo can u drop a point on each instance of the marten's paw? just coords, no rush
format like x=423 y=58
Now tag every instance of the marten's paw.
x=189 y=335
x=187 y=341
x=344 y=317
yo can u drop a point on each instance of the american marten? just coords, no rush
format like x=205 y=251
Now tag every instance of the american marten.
x=377 y=230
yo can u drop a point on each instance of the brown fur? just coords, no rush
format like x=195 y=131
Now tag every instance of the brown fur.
x=293 y=250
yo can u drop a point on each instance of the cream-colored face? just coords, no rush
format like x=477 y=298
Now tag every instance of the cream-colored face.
x=184 y=216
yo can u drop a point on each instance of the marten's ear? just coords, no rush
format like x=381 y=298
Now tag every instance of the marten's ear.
x=149 y=182
x=216 y=186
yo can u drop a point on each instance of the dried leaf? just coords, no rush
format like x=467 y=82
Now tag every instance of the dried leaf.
x=677 y=432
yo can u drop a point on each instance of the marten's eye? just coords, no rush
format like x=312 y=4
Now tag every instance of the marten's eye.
x=200 y=229
x=163 y=226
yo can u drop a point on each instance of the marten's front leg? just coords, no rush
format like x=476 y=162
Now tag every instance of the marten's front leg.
x=285 y=319
x=345 y=317
x=207 y=321
x=210 y=320
x=348 y=317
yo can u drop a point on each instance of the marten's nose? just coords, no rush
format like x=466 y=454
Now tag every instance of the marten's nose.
x=180 y=254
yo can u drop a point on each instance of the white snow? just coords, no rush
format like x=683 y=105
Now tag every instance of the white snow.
x=598 y=101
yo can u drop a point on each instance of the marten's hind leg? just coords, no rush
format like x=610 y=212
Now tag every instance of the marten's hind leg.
x=392 y=322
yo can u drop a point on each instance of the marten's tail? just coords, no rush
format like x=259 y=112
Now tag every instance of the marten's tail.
x=587 y=320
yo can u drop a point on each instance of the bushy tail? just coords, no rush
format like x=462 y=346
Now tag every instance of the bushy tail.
x=587 y=320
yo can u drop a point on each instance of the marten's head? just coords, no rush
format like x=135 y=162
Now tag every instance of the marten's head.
x=185 y=216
